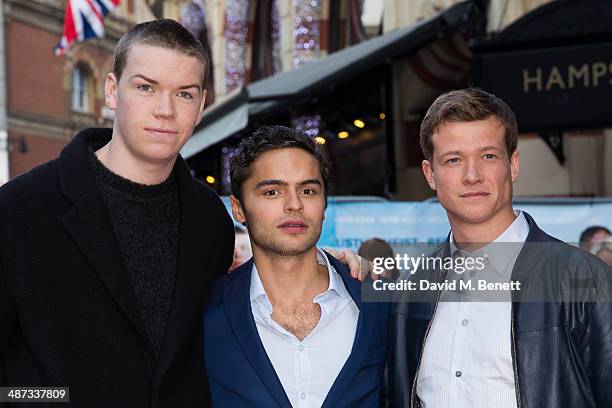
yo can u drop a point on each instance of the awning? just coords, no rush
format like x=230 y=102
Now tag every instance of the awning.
x=224 y=118
x=552 y=66
x=228 y=117
x=557 y=23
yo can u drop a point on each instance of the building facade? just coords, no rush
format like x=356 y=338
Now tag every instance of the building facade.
x=578 y=166
x=48 y=98
x=579 y=162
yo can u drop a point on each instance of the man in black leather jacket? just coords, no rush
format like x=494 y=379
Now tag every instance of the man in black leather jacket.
x=549 y=345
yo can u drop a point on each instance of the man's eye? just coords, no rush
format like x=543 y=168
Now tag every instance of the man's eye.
x=270 y=193
x=489 y=156
x=145 y=88
x=186 y=95
x=452 y=161
x=309 y=191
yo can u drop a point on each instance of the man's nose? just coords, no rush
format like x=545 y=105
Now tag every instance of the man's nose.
x=164 y=107
x=472 y=173
x=294 y=202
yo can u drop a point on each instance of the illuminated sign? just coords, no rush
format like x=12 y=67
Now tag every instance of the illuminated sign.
x=553 y=88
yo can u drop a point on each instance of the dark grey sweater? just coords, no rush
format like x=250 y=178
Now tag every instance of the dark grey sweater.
x=146 y=222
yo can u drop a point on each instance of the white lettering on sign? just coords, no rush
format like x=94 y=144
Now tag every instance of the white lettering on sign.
x=569 y=77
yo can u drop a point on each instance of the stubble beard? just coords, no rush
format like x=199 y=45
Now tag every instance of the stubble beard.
x=274 y=245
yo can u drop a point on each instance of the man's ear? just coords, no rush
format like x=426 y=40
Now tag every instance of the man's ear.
x=110 y=90
x=514 y=165
x=429 y=174
x=237 y=210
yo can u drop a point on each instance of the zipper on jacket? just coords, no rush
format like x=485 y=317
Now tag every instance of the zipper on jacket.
x=416 y=374
x=514 y=367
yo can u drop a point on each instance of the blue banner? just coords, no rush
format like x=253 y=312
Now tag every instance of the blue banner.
x=349 y=222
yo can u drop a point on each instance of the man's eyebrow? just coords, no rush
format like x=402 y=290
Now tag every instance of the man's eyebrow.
x=271 y=182
x=458 y=152
x=197 y=86
x=191 y=86
x=455 y=152
x=311 y=181
x=278 y=182
x=145 y=78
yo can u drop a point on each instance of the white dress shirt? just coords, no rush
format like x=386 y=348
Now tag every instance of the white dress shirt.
x=467 y=358
x=307 y=369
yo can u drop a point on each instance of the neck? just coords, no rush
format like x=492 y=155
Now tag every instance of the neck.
x=114 y=158
x=293 y=277
x=472 y=236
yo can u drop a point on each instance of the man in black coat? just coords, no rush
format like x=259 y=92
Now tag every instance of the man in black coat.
x=107 y=251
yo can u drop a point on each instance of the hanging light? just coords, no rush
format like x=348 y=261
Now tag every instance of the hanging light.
x=343 y=135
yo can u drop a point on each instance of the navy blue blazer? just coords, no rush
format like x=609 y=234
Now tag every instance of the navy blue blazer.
x=239 y=371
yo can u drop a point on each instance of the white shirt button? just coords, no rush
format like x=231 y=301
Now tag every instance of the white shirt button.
x=457 y=374
x=301 y=348
x=465 y=322
x=303 y=395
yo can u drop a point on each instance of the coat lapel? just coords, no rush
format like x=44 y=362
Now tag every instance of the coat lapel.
x=195 y=255
x=236 y=301
x=363 y=334
x=89 y=225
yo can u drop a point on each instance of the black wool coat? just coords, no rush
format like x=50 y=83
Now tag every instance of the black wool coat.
x=68 y=313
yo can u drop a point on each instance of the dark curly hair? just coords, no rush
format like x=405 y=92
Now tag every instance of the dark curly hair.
x=271 y=138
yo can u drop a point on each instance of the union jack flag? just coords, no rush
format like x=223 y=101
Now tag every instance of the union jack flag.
x=84 y=19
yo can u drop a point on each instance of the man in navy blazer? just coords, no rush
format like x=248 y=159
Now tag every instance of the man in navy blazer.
x=288 y=327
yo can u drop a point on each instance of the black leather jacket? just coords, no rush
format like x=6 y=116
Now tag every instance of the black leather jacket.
x=561 y=349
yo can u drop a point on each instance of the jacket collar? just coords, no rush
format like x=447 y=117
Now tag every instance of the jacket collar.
x=336 y=285
x=236 y=301
x=90 y=226
x=535 y=246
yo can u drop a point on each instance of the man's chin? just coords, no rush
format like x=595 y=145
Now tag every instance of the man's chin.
x=292 y=251
x=475 y=216
x=289 y=249
x=286 y=244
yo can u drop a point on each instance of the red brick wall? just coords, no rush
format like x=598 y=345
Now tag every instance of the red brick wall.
x=34 y=73
x=40 y=150
x=39 y=83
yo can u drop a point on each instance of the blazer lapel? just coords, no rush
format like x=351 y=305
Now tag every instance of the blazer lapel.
x=89 y=225
x=236 y=301
x=361 y=342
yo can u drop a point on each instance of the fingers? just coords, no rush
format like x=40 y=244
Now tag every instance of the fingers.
x=353 y=261
x=336 y=253
x=359 y=268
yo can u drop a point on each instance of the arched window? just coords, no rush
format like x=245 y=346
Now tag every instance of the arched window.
x=81 y=89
